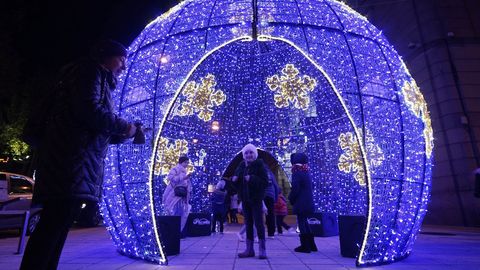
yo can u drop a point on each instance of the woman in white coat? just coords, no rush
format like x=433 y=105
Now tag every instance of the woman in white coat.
x=175 y=203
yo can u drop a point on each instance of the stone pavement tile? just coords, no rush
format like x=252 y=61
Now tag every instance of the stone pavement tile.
x=88 y=252
x=221 y=255
x=313 y=261
x=199 y=247
x=225 y=248
x=184 y=261
x=274 y=254
x=252 y=267
x=106 y=266
x=189 y=255
x=458 y=259
x=119 y=259
x=174 y=267
x=415 y=259
x=8 y=266
x=214 y=267
x=290 y=267
x=463 y=267
x=93 y=249
x=254 y=262
x=105 y=253
x=344 y=261
x=284 y=261
x=315 y=255
x=73 y=266
x=195 y=250
x=281 y=255
x=218 y=261
x=11 y=259
x=226 y=252
x=397 y=266
x=141 y=265
x=84 y=260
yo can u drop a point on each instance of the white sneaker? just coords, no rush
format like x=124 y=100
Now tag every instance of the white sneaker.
x=291 y=230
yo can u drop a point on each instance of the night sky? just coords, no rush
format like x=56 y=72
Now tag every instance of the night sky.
x=49 y=33
x=38 y=37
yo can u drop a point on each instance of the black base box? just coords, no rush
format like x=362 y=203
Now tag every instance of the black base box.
x=169 y=232
x=199 y=224
x=352 y=229
x=323 y=224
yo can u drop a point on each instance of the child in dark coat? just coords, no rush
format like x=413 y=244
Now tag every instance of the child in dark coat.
x=301 y=198
x=218 y=205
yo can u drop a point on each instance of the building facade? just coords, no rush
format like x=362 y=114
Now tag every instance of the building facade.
x=440 y=43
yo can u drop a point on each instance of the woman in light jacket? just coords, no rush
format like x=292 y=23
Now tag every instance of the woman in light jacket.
x=178 y=205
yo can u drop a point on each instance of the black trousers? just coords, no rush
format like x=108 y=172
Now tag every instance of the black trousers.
x=253 y=213
x=303 y=225
x=270 y=220
x=46 y=243
x=281 y=223
x=233 y=216
x=220 y=217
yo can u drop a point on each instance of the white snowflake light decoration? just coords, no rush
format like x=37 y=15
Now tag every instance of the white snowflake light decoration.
x=351 y=160
x=417 y=104
x=291 y=88
x=201 y=98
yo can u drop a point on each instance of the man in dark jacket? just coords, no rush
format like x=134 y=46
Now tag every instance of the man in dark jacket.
x=301 y=198
x=81 y=124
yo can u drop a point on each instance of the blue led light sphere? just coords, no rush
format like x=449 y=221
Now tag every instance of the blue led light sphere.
x=208 y=77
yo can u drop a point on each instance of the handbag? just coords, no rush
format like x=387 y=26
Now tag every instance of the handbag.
x=180 y=191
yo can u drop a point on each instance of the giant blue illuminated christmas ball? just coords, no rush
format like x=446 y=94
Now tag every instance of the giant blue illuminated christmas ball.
x=208 y=77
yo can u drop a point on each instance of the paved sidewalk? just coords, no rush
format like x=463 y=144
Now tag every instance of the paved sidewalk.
x=436 y=248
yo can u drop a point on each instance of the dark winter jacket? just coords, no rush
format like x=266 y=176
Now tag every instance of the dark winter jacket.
x=301 y=196
x=253 y=190
x=272 y=187
x=81 y=125
x=218 y=202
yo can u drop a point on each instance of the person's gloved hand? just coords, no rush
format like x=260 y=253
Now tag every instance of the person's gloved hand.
x=132 y=130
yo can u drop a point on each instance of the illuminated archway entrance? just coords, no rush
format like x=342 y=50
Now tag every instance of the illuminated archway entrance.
x=265 y=93
x=374 y=149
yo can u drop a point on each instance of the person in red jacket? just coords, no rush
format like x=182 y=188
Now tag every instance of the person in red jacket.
x=280 y=210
